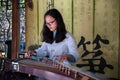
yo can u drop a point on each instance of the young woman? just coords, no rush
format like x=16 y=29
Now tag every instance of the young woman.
x=57 y=42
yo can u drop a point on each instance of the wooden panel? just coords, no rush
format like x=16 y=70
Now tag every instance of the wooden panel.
x=65 y=8
x=107 y=26
x=83 y=21
x=42 y=8
x=31 y=24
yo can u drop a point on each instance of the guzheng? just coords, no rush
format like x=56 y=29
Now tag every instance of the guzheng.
x=52 y=70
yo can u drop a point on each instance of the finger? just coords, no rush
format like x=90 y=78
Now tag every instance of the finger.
x=26 y=55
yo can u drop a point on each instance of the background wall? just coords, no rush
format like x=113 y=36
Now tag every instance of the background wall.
x=94 y=24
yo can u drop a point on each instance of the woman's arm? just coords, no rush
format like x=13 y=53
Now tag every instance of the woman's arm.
x=42 y=51
x=37 y=53
x=72 y=48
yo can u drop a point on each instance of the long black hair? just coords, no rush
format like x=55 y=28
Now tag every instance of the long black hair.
x=47 y=35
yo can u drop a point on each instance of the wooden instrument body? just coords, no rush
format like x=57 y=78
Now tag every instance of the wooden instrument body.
x=52 y=70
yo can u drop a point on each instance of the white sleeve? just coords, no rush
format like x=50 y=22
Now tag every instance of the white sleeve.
x=42 y=51
x=72 y=47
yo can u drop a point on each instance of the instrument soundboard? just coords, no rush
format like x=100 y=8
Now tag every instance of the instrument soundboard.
x=51 y=70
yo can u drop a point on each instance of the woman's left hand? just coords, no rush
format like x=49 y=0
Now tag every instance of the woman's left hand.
x=62 y=57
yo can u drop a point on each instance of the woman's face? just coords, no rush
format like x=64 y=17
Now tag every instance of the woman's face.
x=51 y=23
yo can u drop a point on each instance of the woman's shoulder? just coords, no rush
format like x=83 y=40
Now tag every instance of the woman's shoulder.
x=70 y=38
x=68 y=34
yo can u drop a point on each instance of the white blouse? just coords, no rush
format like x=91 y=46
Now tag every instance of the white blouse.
x=67 y=46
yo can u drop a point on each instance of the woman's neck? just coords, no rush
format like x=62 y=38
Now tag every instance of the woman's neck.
x=54 y=33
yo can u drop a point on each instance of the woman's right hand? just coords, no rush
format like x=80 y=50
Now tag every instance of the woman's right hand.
x=29 y=53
